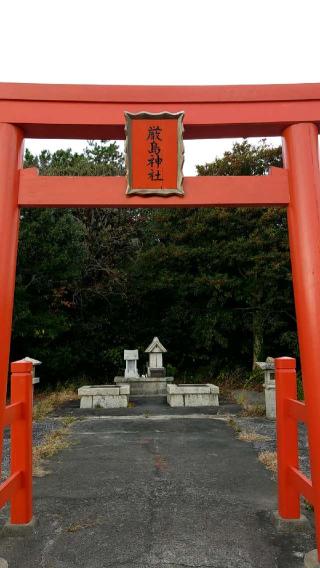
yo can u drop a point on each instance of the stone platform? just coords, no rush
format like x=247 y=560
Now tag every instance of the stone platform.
x=145 y=385
x=104 y=396
x=193 y=395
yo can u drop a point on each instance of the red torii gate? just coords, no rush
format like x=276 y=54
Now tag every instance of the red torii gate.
x=97 y=112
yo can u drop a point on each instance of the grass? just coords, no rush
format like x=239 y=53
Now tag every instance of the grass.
x=234 y=425
x=228 y=381
x=45 y=403
x=308 y=506
x=246 y=436
x=252 y=410
x=269 y=460
x=78 y=526
x=68 y=420
x=53 y=443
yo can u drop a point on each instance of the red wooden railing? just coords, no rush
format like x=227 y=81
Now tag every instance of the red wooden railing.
x=292 y=483
x=17 y=489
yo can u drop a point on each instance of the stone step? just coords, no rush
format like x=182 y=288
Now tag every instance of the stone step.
x=148 y=400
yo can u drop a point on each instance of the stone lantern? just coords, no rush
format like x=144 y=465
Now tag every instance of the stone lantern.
x=269 y=386
x=155 y=366
x=131 y=357
x=35 y=363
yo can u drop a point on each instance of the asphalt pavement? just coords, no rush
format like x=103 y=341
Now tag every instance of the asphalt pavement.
x=155 y=490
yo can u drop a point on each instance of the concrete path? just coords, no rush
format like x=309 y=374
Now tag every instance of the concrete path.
x=164 y=492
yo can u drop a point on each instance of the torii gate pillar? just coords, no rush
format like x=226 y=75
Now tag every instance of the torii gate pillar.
x=11 y=146
x=301 y=159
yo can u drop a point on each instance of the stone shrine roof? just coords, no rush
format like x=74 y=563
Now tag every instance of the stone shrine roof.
x=156 y=345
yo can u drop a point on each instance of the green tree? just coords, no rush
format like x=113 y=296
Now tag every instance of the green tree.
x=97 y=159
x=51 y=257
x=216 y=282
x=213 y=283
x=71 y=279
x=258 y=246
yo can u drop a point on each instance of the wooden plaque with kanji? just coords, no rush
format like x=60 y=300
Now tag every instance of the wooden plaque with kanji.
x=154 y=153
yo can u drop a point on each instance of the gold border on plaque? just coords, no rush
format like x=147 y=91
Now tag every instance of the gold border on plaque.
x=178 y=116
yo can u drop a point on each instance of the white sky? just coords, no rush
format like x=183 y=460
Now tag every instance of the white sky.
x=209 y=42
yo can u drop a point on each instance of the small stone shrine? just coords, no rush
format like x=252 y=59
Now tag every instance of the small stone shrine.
x=131 y=357
x=155 y=366
x=155 y=383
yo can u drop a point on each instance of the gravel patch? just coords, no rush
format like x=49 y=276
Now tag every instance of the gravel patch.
x=39 y=431
x=267 y=428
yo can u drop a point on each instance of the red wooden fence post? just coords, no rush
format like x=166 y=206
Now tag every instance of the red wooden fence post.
x=21 y=442
x=287 y=438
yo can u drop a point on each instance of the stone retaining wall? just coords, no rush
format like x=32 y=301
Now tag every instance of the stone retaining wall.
x=104 y=396
x=193 y=395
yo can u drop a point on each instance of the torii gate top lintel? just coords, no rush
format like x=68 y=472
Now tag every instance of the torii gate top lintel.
x=97 y=111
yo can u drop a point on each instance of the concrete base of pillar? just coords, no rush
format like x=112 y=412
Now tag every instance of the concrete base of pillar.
x=311 y=560
x=290 y=525
x=10 y=529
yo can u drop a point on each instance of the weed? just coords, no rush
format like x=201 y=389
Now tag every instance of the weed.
x=246 y=436
x=75 y=527
x=68 y=420
x=255 y=380
x=52 y=444
x=45 y=403
x=253 y=410
x=269 y=460
x=308 y=506
x=239 y=398
x=234 y=425
x=229 y=380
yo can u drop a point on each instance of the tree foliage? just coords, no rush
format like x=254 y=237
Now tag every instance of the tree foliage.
x=221 y=277
x=214 y=283
x=71 y=271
